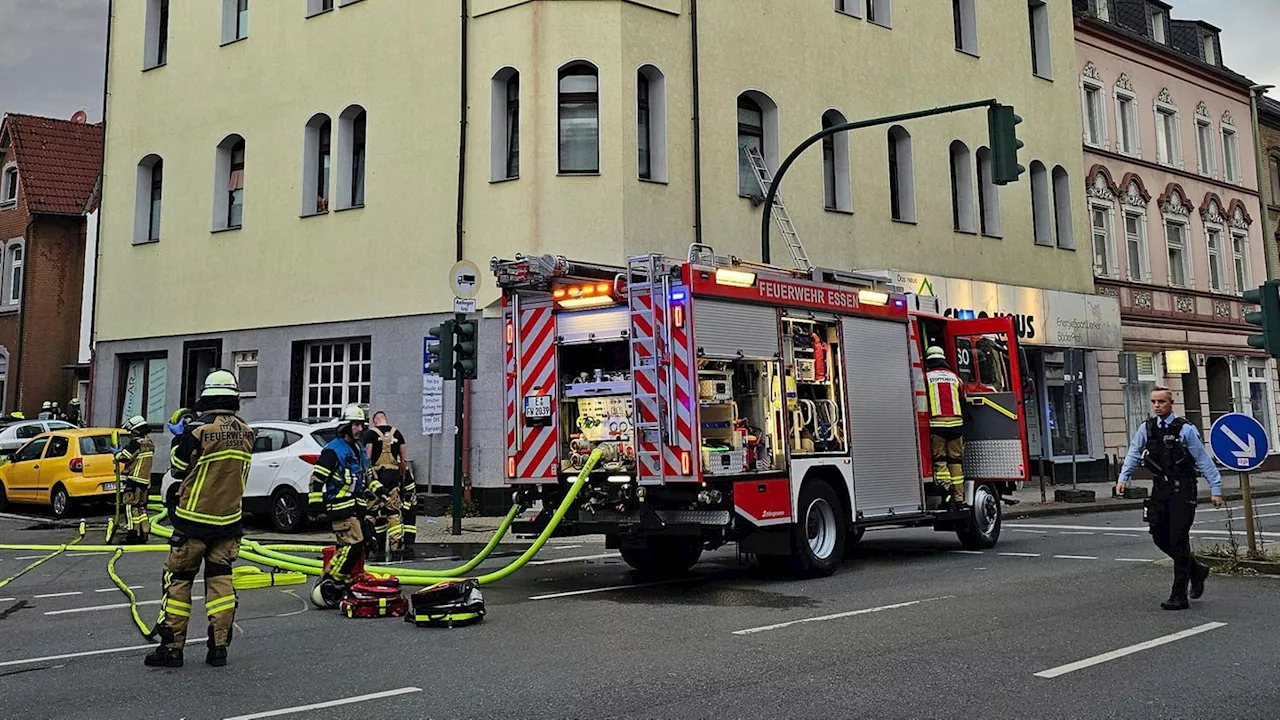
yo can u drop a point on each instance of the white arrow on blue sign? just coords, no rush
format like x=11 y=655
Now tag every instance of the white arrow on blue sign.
x=1238 y=442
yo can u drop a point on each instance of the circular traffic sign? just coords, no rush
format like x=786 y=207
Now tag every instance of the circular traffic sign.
x=464 y=278
x=1238 y=442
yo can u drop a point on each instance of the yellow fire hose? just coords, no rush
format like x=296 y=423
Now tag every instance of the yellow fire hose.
x=57 y=550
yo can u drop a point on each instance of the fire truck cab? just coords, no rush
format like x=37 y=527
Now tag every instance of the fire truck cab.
x=738 y=402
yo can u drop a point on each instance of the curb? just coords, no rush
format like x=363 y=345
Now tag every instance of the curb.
x=1109 y=506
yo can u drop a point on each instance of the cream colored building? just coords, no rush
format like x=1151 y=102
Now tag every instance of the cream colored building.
x=293 y=275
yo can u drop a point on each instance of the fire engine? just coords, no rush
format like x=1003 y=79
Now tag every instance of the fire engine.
x=783 y=410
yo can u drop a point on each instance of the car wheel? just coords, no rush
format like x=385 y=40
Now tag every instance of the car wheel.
x=818 y=536
x=981 y=530
x=60 y=502
x=286 y=510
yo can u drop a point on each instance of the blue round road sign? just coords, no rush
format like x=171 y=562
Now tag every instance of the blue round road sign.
x=1238 y=442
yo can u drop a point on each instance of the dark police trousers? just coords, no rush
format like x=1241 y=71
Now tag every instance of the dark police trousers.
x=1170 y=512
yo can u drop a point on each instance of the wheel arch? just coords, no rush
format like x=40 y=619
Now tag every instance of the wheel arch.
x=831 y=476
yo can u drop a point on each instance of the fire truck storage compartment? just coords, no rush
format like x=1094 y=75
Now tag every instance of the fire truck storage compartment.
x=886 y=460
x=738 y=415
x=595 y=389
x=813 y=384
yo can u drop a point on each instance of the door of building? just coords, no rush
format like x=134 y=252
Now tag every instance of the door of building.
x=198 y=358
x=1194 y=412
x=1217 y=372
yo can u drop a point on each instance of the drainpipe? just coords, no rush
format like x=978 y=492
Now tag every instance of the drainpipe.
x=697 y=129
x=1268 y=242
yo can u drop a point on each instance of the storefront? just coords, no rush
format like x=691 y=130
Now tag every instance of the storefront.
x=1050 y=324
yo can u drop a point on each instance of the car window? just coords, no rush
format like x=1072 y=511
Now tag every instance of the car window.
x=325 y=436
x=30 y=451
x=26 y=432
x=95 y=445
x=268 y=440
x=59 y=425
x=291 y=438
x=58 y=447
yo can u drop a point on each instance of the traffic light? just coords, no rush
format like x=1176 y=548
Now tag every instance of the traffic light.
x=442 y=350
x=1267 y=317
x=1003 y=130
x=464 y=349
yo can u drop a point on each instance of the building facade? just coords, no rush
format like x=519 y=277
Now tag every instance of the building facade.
x=1269 y=141
x=301 y=234
x=1172 y=196
x=49 y=172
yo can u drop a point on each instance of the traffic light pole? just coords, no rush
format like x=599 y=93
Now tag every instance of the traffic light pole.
x=786 y=164
x=458 y=389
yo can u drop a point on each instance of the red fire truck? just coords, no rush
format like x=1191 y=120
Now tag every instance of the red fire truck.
x=738 y=402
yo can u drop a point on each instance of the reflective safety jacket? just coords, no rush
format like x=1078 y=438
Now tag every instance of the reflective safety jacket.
x=211 y=459
x=340 y=478
x=944 y=399
x=137 y=458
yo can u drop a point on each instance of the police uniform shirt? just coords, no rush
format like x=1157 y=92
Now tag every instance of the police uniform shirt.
x=1190 y=438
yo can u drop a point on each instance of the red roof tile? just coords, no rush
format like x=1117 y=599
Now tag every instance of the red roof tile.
x=59 y=162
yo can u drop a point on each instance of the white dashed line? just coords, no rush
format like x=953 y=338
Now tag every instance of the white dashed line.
x=114 y=606
x=1128 y=535
x=1141 y=560
x=1075 y=557
x=89 y=653
x=579 y=558
x=1033 y=532
x=967 y=552
x=837 y=616
x=1076 y=532
x=57 y=595
x=609 y=588
x=1115 y=654
x=1026 y=555
x=116 y=589
x=328 y=704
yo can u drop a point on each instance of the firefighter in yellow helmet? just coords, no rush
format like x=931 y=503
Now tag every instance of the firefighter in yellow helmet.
x=946 y=424
x=339 y=477
x=210 y=459
x=136 y=458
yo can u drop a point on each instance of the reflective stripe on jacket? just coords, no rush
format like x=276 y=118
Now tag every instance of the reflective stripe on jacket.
x=338 y=478
x=212 y=460
x=138 y=457
x=944 y=399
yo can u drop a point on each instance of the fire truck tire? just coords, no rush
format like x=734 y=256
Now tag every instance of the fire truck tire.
x=663 y=557
x=982 y=530
x=818 y=537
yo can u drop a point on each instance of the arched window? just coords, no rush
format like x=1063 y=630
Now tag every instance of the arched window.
x=316 y=164
x=149 y=195
x=1041 y=205
x=758 y=131
x=836 y=188
x=579 y=119
x=504 y=125
x=988 y=196
x=962 y=216
x=351 y=158
x=1062 y=208
x=651 y=124
x=1274 y=165
x=228 y=184
x=902 y=186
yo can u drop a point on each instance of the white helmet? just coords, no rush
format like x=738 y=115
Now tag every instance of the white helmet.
x=46 y=405
x=134 y=423
x=220 y=383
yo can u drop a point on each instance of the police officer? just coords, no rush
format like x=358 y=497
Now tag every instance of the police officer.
x=210 y=459
x=946 y=425
x=136 y=459
x=1172 y=450
x=394 y=519
x=339 y=477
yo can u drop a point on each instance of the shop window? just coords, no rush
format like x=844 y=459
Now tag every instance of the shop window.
x=142 y=389
x=1062 y=436
x=1138 y=377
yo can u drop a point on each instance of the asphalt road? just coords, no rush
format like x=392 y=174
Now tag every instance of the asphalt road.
x=910 y=627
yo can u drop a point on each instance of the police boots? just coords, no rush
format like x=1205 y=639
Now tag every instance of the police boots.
x=164 y=657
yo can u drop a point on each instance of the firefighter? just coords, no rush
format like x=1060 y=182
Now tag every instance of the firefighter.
x=73 y=411
x=46 y=411
x=946 y=425
x=394 y=520
x=1172 y=450
x=210 y=459
x=135 y=472
x=340 y=476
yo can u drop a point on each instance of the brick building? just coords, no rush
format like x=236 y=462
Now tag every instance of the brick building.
x=49 y=172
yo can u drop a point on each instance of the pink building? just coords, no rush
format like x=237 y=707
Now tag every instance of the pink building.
x=1173 y=204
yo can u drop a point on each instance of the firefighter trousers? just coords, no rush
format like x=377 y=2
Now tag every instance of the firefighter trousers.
x=136 y=522
x=388 y=525
x=185 y=558
x=947 y=446
x=349 y=553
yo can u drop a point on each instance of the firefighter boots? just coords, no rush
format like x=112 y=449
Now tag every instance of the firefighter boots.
x=164 y=657
x=217 y=656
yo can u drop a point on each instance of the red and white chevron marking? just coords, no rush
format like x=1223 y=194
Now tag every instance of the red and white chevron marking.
x=538 y=459
x=645 y=381
x=680 y=370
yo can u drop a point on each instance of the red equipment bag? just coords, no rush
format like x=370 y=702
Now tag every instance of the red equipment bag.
x=372 y=597
x=327 y=555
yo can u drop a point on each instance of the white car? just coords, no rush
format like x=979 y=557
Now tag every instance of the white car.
x=280 y=472
x=17 y=434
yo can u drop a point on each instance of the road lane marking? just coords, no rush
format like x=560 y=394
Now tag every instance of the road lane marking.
x=578 y=558
x=1075 y=557
x=1122 y=652
x=608 y=588
x=57 y=595
x=1130 y=529
x=7 y=599
x=838 y=616
x=967 y=552
x=566 y=547
x=1141 y=560
x=1128 y=535
x=114 y=606
x=328 y=704
x=87 y=554
x=116 y=589
x=88 y=653
x=1036 y=532
x=29 y=557
x=1021 y=554
x=1241 y=508
x=1233 y=519
x=1077 y=532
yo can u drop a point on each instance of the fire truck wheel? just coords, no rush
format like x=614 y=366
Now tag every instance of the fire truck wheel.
x=663 y=557
x=982 y=530
x=818 y=537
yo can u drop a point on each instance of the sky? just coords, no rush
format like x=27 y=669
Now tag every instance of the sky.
x=51 y=56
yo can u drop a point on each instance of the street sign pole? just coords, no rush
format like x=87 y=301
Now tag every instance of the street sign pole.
x=464 y=278
x=1246 y=493
x=458 y=386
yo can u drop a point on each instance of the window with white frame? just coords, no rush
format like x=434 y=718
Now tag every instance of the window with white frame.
x=880 y=12
x=15 y=257
x=1175 y=235
x=1157 y=26
x=9 y=185
x=504 y=125
x=1206 y=152
x=228 y=184
x=148 y=199
x=1240 y=262
x=1168 y=146
x=246 y=365
x=1104 y=242
x=1252 y=382
x=651 y=124
x=1095 y=130
x=1231 y=154
x=1217 y=272
x=235 y=20
x=337 y=374
x=988 y=196
x=1127 y=140
x=1102 y=8
x=1210 y=52
x=1139 y=375
x=852 y=8
x=1135 y=243
x=837 y=191
x=156 y=35
x=1041 y=58
x=315 y=7
x=965 y=19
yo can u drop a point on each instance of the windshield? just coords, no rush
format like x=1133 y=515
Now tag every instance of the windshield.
x=95 y=445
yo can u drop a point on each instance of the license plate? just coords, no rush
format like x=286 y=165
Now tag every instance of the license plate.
x=537 y=406
x=108 y=486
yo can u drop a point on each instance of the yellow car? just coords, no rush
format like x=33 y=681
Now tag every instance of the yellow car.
x=61 y=467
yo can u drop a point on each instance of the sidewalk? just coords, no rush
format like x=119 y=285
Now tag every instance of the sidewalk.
x=1266 y=484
